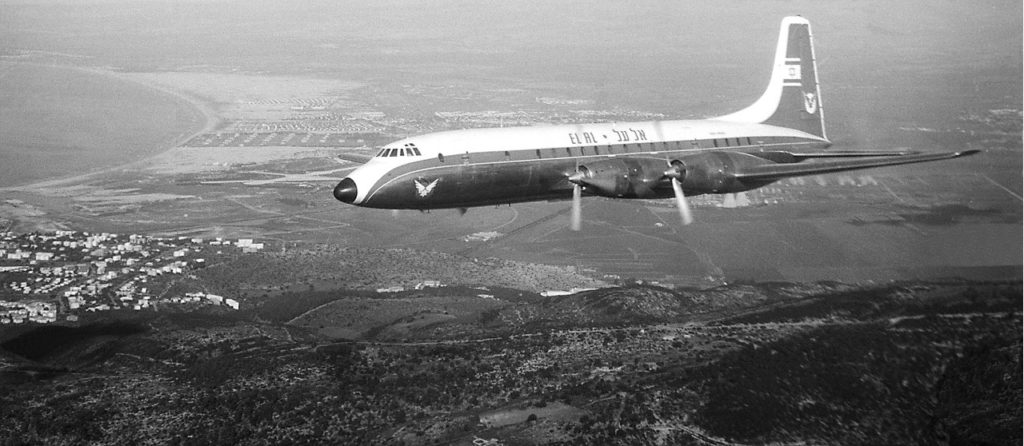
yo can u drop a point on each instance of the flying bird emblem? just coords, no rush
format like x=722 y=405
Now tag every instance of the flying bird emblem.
x=424 y=190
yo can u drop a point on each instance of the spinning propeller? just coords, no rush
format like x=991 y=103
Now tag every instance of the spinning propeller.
x=676 y=172
x=577 y=206
x=577 y=199
x=607 y=180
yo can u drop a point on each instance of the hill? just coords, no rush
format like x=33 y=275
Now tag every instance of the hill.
x=895 y=364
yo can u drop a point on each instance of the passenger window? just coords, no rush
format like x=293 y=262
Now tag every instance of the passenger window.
x=715 y=141
x=508 y=156
x=440 y=157
x=538 y=154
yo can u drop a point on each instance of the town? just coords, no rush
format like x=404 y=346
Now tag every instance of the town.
x=49 y=277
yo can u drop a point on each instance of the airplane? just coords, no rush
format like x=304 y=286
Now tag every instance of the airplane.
x=772 y=139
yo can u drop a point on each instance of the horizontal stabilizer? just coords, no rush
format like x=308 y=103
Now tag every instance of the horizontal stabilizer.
x=355 y=157
x=775 y=171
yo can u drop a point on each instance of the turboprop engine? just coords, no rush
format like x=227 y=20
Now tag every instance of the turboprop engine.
x=648 y=177
x=621 y=177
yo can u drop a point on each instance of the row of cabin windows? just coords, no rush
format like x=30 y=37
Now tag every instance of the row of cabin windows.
x=406 y=151
x=725 y=142
x=596 y=150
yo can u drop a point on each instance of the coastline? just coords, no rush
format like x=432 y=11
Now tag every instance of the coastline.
x=204 y=115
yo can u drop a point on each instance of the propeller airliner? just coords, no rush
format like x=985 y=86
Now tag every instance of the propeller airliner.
x=772 y=139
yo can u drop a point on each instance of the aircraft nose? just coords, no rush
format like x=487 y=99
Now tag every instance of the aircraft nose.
x=346 y=191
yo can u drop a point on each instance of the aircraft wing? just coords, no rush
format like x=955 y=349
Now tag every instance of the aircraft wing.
x=784 y=157
x=851 y=154
x=774 y=171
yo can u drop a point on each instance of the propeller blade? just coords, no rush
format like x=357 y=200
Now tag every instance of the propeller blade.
x=577 y=207
x=684 y=209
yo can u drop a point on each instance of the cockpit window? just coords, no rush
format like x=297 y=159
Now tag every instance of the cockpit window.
x=407 y=150
x=410 y=150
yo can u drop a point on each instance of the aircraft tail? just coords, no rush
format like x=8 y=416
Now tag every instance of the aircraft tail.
x=793 y=98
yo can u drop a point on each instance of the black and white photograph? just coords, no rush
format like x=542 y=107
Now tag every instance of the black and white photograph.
x=516 y=222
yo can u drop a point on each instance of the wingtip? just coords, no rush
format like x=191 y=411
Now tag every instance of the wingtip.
x=966 y=152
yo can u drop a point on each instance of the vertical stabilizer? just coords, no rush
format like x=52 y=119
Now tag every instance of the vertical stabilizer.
x=793 y=98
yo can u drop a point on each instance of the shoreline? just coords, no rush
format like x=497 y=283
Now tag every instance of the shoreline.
x=204 y=113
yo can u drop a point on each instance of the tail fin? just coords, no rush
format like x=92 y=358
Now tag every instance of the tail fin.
x=793 y=98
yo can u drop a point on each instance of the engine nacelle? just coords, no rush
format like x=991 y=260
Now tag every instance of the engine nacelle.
x=712 y=172
x=700 y=173
x=622 y=177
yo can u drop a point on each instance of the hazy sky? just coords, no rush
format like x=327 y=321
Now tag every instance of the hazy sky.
x=591 y=34
x=940 y=56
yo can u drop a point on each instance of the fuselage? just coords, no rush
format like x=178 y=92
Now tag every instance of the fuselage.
x=479 y=167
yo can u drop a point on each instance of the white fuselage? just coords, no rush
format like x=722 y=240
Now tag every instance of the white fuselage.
x=434 y=155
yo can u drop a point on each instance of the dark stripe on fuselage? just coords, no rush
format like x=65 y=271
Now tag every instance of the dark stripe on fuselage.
x=512 y=176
